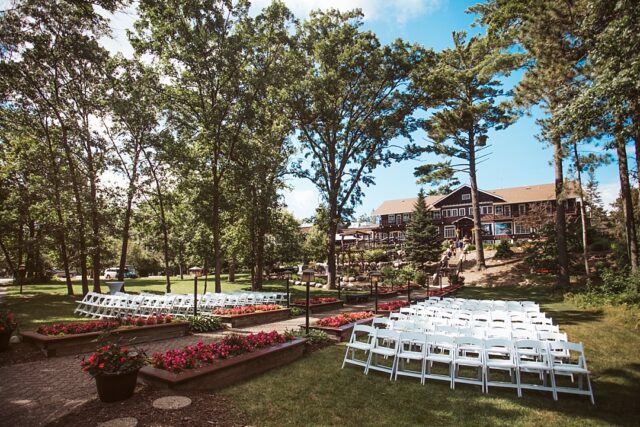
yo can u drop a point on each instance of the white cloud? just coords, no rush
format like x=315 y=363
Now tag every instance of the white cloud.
x=399 y=11
x=609 y=193
x=301 y=202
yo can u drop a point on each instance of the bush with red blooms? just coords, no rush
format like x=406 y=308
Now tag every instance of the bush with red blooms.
x=113 y=359
x=318 y=300
x=393 y=305
x=247 y=309
x=101 y=325
x=7 y=322
x=200 y=354
x=344 y=318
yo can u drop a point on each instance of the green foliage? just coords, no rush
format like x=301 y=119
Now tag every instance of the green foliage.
x=314 y=336
x=617 y=287
x=296 y=311
x=471 y=247
x=423 y=243
x=504 y=250
x=421 y=278
x=205 y=324
x=376 y=255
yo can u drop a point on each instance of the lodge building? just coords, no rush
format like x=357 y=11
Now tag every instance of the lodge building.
x=506 y=213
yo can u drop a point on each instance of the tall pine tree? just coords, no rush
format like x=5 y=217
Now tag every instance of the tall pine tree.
x=423 y=243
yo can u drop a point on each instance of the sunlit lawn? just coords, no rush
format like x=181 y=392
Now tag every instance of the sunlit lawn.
x=315 y=391
x=49 y=302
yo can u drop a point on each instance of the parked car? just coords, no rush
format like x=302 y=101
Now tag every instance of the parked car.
x=112 y=273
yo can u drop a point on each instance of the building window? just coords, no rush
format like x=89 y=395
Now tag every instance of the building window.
x=466 y=197
x=449 y=231
x=398 y=219
x=522 y=229
x=498 y=210
x=486 y=229
x=436 y=214
x=522 y=209
x=503 y=228
x=406 y=217
x=392 y=219
x=484 y=210
x=471 y=212
x=507 y=210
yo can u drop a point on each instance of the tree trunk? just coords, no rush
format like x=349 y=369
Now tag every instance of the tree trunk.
x=232 y=271
x=163 y=224
x=215 y=224
x=95 y=225
x=75 y=185
x=475 y=205
x=583 y=212
x=635 y=134
x=561 y=221
x=627 y=202
x=5 y=252
x=131 y=192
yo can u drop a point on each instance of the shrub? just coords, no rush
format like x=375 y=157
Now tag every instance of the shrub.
x=421 y=278
x=7 y=322
x=471 y=247
x=376 y=255
x=297 y=311
x=504 y=250
x=113 y=359
x=618 y=287
x=205 y=324
x=315 y=336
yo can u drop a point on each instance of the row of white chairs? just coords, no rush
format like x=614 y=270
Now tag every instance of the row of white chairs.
x=520 y=331
x=105 y=306
x=455 y=304
x=419 y=355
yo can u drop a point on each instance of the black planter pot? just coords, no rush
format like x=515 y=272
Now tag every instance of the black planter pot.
x=113 y=388
x=4 y=340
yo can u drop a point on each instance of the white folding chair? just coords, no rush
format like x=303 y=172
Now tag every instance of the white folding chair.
x=469 y=354
x=361 y=341
x=412 y=348
x=532 y=357
x=575 y=363
x=385 y=346
x=499 y=356
x=440 y=351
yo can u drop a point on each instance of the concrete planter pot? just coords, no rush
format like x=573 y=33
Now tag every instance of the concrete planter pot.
x=223 y=373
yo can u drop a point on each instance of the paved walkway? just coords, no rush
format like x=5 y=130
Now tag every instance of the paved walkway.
x=35 y=393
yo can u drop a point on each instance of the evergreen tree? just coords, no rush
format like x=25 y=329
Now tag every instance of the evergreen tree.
x=423 y=243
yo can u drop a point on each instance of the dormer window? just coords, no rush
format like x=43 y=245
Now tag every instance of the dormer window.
x=466 y=196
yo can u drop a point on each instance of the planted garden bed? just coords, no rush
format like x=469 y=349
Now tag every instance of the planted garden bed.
x=387 y=308
x=319 y=305
x=356 y=298
x=339 y=327
x=252 y=315
x=221 y=367
x=62 y=345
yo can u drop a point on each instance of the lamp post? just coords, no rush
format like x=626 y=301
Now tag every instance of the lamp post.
x=307 y=277
x=195 y=295
x=339 y=285
x=374 y=276
x=409 y=287
x=287 y=275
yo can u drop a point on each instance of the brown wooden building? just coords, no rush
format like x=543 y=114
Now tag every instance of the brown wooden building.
x=506 y=213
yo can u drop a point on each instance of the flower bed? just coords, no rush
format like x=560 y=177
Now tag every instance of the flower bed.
x=319 y=305
x=59 y=343
x=250 y=315
x=59 y=329
x=219 y=364
x=392 y=306
x=339 y=327
x=246 y=309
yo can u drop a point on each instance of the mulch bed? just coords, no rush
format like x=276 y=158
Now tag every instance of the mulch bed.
x=20 y=353
x=206 y=409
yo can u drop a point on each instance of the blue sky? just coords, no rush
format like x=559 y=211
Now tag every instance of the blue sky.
x=517 y=158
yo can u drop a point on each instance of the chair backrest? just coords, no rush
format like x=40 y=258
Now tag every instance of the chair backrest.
x=410 y=339
x=381 y=322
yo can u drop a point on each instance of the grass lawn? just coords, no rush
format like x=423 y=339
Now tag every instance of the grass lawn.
x=48 y=302
x=315 y=391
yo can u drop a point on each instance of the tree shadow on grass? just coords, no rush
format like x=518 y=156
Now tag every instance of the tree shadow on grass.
x=574 y=317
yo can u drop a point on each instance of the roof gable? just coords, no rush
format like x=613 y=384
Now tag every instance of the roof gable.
x=455 y=197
